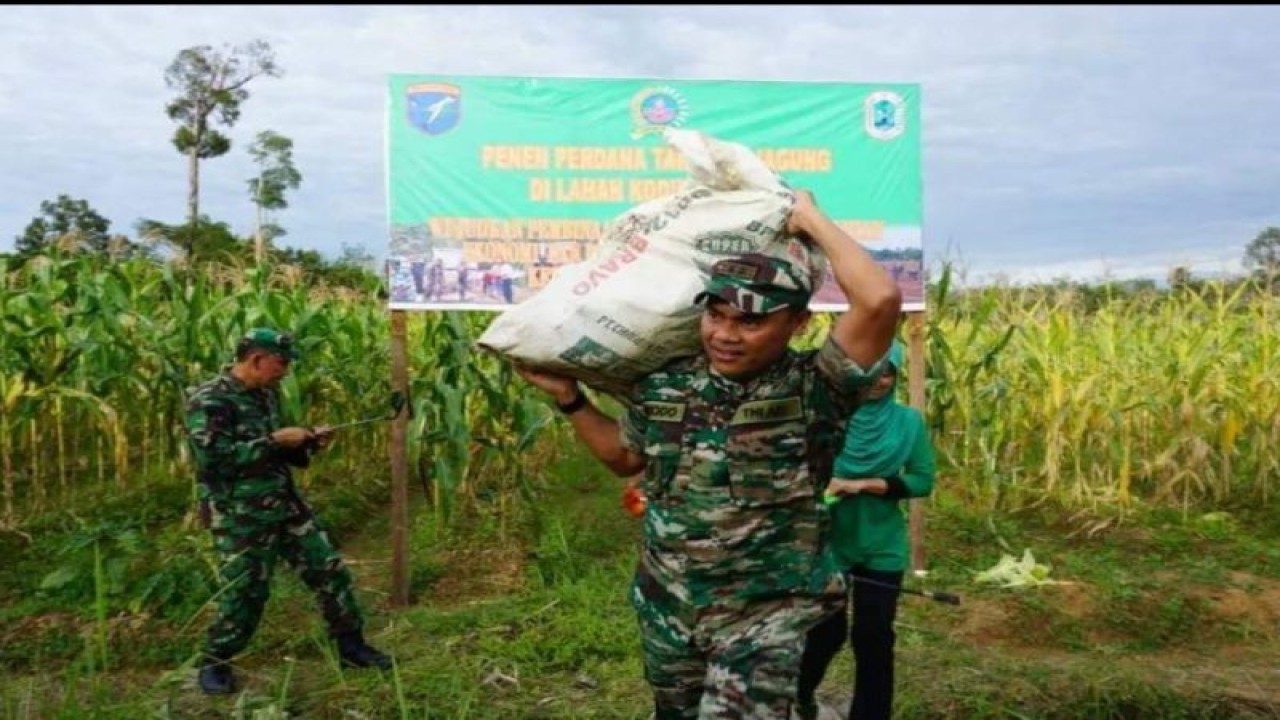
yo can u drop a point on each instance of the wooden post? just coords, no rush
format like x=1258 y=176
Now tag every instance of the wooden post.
x=916 y=380
x=399 y=467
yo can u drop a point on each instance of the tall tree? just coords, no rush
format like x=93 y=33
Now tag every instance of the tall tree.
x=211 y=87
x=1263 y=254
x=65 y=224
x=273 y=154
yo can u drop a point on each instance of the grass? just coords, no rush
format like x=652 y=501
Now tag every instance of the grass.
x=1156 y=616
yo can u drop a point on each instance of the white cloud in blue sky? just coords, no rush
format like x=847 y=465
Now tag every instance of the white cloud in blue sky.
x=1058 y=140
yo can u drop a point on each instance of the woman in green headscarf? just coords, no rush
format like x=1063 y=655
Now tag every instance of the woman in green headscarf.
x=887 y=456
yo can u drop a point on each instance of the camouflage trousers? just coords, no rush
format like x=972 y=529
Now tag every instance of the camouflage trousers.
x=248 y=550
x=733 y=659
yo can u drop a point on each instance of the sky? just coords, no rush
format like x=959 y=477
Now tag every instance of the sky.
x=1085 y=142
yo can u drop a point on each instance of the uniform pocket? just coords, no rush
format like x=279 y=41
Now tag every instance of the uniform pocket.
x=768 y=463
x=664 y=444
x=660 y=474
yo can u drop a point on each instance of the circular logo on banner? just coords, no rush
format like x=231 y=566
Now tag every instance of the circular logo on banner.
x=434 y=107
x=655 y=109
x=885 y=115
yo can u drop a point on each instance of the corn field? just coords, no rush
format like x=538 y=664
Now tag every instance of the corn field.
x=1166 y=399
x=1156 y=398
x=96 y=359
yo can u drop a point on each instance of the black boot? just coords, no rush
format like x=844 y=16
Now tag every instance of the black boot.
x=353 y=651
x=216 y=677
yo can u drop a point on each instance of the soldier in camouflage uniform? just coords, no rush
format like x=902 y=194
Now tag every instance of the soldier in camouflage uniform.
x=250 y=503
x=736 y=445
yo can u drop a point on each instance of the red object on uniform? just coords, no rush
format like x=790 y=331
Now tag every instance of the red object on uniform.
x=633 y=500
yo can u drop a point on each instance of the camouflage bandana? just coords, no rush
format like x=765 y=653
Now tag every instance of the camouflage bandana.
x=270 y=340
x=756 y=284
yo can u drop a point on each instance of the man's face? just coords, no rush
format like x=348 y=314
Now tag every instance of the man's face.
x=269 y=368
x=741 y=345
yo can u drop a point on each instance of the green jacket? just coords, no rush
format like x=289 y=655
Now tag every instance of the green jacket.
x=871 y=530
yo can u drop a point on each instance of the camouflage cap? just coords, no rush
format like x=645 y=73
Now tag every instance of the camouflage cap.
x=756 y=284
x=270 y=340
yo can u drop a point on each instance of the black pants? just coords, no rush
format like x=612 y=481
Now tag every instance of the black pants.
x=872 y=637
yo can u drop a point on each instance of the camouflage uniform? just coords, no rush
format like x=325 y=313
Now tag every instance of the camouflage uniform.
x=733 y=572
x=249 y=501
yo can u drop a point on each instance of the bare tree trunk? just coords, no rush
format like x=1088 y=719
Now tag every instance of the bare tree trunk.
x=193 y=199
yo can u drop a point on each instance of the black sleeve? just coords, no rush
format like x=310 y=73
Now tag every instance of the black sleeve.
x=298 y=457
x=897 y=489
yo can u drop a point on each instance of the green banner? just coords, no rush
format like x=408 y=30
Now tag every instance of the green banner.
x=494 y=182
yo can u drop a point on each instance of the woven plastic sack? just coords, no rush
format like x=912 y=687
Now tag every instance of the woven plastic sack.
x=629 y=309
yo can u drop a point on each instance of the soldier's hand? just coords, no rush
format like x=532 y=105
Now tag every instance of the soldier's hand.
x=292 y=437
x=801 y=219
x=560 y=387
x=323 y=436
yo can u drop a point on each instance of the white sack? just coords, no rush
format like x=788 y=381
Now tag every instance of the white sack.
x=629 y=310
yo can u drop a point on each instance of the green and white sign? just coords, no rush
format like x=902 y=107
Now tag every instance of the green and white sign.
x=494 y=182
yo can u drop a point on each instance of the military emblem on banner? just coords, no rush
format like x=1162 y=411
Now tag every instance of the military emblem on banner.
x=655 y=109
x=434 y=108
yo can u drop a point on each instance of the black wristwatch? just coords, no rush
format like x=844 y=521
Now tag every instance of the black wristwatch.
x=573 y=405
